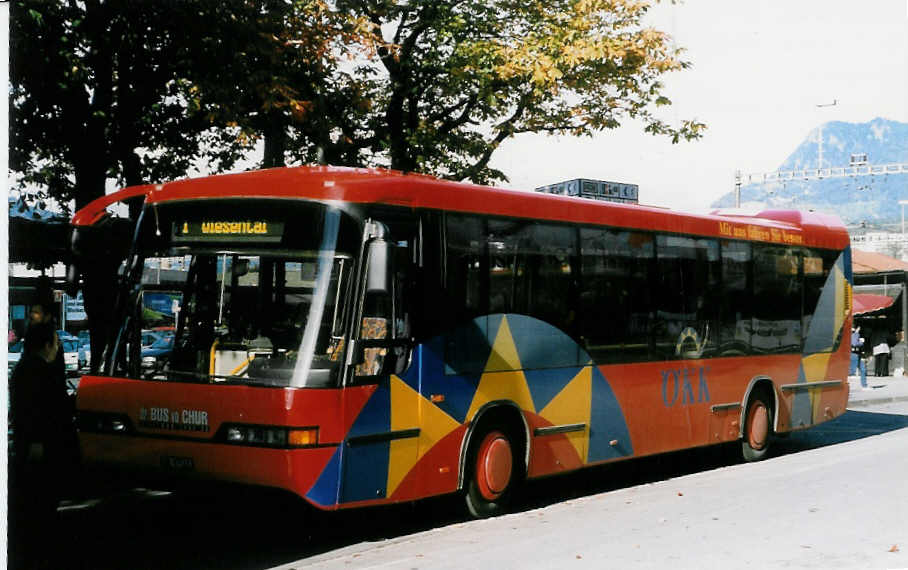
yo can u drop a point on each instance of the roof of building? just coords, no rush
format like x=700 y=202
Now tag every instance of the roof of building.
x=868 y=303
x=869 y=262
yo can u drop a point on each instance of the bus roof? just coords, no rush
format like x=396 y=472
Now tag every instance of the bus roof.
x=360 y=185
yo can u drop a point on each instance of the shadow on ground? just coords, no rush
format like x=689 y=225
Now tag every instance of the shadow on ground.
x=243 y=530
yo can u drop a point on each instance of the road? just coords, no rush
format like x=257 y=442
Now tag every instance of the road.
x=833 y=496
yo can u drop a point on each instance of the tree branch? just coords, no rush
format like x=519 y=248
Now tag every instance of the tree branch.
x=505 y=130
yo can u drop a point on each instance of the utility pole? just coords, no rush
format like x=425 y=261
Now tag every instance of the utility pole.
x=738 y=191
x=902 y=203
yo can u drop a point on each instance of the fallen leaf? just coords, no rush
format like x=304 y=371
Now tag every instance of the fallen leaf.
x=895 y=548
x=578 y=557
x=680 y=494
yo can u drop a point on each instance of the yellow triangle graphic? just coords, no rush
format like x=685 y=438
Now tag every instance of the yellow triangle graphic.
x=435 y=425
x=494 y=386
x=504 y=353
x=408 y=410
x=572 y=406
x=404 y=415
x=815 y=366
x=841 y=292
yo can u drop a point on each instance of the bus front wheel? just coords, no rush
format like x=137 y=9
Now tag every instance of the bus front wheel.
x=757 y=427
x=491 y=467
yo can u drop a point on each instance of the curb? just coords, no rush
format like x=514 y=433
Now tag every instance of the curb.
x=873 y=401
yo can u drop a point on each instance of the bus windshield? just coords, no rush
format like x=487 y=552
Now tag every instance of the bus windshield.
x=240 y=314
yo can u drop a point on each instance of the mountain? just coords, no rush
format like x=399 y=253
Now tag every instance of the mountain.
x=871 y=199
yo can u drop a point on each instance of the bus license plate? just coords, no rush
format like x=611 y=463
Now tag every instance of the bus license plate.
x=173 y=463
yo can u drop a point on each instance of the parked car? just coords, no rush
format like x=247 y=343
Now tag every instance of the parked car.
x=154 y=356
x=84 y=349
x=64 y=335
x=13 y=354
x=150 y=337
x=70 y=346
x=70 y=355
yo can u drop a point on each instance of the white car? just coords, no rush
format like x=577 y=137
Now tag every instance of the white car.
x=13 y=354
x=70 y=355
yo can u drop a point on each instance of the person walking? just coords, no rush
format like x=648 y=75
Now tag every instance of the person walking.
x=857 y=363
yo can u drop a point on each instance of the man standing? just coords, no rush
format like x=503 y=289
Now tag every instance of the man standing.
x=44 y=449
x=857 y=343
x=41 y=424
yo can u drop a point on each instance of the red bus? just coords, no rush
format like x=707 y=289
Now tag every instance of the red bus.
x=361 y=337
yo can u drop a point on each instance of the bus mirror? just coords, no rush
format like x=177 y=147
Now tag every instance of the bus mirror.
x=378 y=267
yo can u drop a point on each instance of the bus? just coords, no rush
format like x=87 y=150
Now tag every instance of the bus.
x=363 y=336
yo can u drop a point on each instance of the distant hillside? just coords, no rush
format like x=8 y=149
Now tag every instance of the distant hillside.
x=869 y=198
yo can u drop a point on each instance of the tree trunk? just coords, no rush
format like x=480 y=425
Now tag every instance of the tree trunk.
x=275 y=143
x=398 y=146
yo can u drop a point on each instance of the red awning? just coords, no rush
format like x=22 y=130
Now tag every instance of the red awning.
x=868 y=303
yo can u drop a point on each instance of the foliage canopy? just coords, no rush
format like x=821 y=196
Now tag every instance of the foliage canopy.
x=140 y=92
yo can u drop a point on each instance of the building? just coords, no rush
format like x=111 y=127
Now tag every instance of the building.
x=880 y=300
x=595 y=190
x=889 y=243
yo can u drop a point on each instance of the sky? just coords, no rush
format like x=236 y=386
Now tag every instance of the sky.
x=760 y=68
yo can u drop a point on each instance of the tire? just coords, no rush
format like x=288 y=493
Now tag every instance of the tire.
x=757 y=424
x=492 y=470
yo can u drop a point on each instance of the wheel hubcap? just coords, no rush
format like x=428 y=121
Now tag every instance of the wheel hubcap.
x=493 y=465
x=757 y=425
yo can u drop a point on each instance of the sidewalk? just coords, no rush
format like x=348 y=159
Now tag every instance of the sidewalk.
x=881 y=389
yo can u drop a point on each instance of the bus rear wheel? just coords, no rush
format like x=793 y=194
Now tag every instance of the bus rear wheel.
x=492 y=465
x=757 y=427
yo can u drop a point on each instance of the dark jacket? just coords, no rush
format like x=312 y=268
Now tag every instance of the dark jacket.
x=40 y=410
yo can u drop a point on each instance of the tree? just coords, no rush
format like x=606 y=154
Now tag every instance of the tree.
x=459 y=77
x=96 y=94
x=284 y=73
x=140 y=92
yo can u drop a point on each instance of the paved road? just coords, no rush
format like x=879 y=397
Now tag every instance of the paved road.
x=629 y=512
x=840 y=504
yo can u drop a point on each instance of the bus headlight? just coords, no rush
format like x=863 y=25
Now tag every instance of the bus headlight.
x=270 y=436
x=102 y=422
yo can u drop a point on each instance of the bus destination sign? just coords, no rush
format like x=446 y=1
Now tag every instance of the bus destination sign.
x=228 y=230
